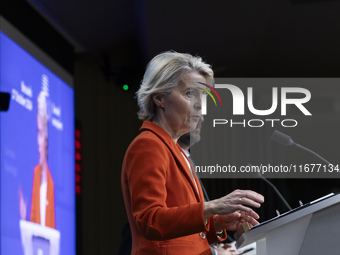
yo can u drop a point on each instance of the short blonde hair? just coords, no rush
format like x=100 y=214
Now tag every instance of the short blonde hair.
x=162 y=75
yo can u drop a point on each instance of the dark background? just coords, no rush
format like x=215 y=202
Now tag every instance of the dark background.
x=106 y=44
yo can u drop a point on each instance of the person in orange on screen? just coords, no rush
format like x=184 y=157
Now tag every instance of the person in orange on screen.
x=163 y=197
x=42 y=207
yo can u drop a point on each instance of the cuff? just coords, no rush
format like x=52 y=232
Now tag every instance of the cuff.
x=212 y=235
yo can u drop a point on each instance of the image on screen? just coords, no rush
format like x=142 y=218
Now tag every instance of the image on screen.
x=37 y=186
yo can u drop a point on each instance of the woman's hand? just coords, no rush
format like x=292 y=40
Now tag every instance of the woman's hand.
x=238 y=200
x=234 y=220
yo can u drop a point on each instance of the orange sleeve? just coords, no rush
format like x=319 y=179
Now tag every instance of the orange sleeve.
x=212 y=235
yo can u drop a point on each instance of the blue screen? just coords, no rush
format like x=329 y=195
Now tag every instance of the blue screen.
x=26 y=79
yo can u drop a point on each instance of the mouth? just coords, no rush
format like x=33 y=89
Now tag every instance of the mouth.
x=195 y=117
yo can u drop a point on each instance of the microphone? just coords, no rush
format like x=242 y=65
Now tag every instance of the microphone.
x=287 y=141
x=275 y=189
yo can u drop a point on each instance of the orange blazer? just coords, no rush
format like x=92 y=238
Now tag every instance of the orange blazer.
x=35 y=207
x=164 y=208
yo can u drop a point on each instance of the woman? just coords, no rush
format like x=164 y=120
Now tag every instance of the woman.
x=163 y=200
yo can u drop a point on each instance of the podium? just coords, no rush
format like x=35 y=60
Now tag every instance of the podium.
x=37 y=239
x=309 y=229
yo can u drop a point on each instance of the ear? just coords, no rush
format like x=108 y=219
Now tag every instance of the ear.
x=158 y=99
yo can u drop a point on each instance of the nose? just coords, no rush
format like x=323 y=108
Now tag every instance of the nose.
x=198 y=103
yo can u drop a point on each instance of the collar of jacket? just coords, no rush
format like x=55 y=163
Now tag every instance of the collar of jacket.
x=177 y=153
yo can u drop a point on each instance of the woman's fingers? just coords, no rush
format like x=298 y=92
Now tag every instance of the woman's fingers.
x=251 y=218
x=246 y=198
x=252 y=221
x=249 y=202
x=251 y=213
x=247 y=210
x=249 y=197
x=241 y=200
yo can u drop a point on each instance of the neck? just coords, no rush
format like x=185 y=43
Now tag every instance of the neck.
x=165 y=125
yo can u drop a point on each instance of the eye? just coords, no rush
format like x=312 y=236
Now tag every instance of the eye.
x=190 y=94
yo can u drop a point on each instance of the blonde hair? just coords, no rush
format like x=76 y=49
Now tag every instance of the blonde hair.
x=163 y=74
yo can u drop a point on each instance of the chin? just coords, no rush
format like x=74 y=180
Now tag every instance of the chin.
x=192 y=127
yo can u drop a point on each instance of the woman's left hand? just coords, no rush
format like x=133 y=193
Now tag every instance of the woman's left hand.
x=234 y=220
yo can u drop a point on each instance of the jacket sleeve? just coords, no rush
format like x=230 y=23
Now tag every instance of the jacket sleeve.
x=212 y=236
x=146 y=164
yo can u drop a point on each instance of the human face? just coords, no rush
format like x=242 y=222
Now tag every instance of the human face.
x=182 y=107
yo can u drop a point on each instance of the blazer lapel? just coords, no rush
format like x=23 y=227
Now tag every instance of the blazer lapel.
x=177 y=152
x=183 y=166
